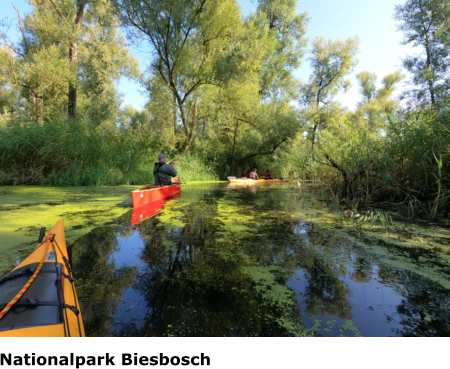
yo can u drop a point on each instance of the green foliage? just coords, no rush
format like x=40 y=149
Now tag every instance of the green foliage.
x=65 y=152
x=377 y=104
x=407 y=166
x=367 y=82
x=425 y=23
x=77 y=153
x=371 y=217
x=196 y=168
x=331 y=62
x=193 y=43
x=220 y=90
x=288 y=29
x=44 y=69
x=10 y=102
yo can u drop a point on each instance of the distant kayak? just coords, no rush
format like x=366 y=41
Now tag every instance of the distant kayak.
x=38 y=297
x=249 y=180
x=152 y=193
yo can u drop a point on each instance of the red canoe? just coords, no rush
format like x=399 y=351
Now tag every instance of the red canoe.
x=146 y=211
x=152 y=193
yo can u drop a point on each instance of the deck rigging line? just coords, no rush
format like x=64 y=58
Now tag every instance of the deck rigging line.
x=30 y=281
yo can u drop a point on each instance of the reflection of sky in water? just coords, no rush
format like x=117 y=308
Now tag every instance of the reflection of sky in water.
x=132 y=308
x=300 y=228
x=373 y=306
x=129 y=251
x=180 y=269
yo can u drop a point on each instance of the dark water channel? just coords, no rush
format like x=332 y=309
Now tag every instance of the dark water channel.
x=218 y=261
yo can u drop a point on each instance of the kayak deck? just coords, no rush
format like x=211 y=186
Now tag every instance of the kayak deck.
x=49 y=306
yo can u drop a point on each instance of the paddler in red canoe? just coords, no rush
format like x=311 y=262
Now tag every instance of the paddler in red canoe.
x=163 y=171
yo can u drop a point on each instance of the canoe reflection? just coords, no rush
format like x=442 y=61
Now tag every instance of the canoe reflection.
x=250 y=186
x=144 y=212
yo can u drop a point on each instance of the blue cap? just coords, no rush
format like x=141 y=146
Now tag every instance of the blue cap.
x=161 y=156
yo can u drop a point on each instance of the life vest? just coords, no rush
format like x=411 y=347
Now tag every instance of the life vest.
x=251 y=175
x=268 y=175
x=156 y=173
x=157 y=167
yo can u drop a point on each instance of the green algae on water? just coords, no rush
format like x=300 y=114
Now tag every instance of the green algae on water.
x=25 y=209
x=219 y=261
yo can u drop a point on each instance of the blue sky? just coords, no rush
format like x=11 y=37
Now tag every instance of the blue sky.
x=380 y=49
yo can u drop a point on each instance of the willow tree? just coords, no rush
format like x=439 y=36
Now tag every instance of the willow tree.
x=66 y=44
x=367 y=82
x=190 y=41
x=11 y=102
x=331 y=62
x=426 y=24
x=33 y=67
x=59 y=22
x=376 y=104
x=255 y=114
x=287 y=27
x=74 y=25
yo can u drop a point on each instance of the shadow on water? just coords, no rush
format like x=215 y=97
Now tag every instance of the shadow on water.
x=221 y=261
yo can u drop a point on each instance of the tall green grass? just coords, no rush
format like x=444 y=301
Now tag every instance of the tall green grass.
x=194 y=168
x=77 y=153
x=408 y=167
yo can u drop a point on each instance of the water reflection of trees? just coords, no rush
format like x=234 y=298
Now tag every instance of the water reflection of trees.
x=223 y=270
x=99 y=282
x=325 y=292
x=200 y=287
x=424 y=309
x=245 y=273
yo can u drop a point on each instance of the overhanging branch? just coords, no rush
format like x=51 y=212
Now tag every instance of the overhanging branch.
x=276 y=146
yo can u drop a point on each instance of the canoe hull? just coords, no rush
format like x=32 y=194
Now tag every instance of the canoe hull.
x=147 y=195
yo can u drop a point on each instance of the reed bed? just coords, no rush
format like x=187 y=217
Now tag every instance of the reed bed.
x=406 y=168
x=78 y=153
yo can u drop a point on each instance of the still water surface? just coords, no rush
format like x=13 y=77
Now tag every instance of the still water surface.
x=260 y=261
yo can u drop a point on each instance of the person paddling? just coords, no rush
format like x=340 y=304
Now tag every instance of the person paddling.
x=268 y=175
x=253 y=174
x=163 y=171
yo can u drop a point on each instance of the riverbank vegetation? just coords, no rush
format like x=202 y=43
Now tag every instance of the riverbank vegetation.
x=223 y=98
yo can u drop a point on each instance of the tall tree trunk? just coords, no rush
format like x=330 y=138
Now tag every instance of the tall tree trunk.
x=174 y=114
x=234 y=139
x=314 y=140
x=40 y=108
x=72 y=97
x=191 y=132
x=429 y=66
x=316 y=124
x=37 y=107
x=314 y=136
x=73 y=55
